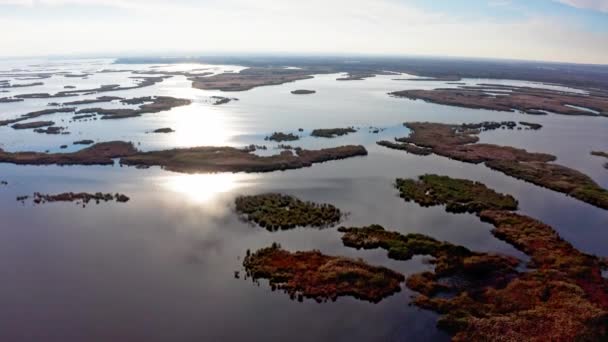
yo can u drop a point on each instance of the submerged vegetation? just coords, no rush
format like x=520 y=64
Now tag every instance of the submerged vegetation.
x=277 y=211
x=315 y=275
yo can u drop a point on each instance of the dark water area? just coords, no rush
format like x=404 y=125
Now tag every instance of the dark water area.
x=162 y=266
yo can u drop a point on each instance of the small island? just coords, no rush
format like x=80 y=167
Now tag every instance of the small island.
x=321 y=277
x=82 y=198
x=332 y=132
x=458 y=195
x=84 y=142
x=280 y=137
x=278 y=212
x=33 y=124
x=303 y=92
x=163 y=130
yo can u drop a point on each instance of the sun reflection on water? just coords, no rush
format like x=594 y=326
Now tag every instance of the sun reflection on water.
x=203 y=188
x=198 y=125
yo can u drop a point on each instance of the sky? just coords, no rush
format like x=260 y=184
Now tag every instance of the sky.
x=548 y=30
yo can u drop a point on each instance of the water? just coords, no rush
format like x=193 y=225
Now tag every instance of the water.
x=161 y=267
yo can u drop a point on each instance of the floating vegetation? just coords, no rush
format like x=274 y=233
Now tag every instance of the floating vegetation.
x=276 y=212
x=315 y=275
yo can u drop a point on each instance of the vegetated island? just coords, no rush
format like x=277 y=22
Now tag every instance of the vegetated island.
x=84 y=142
x=52 y=130
x=474 y=270
x=148 y=105
x=230 y=159
x=449 y=79
x=163 y=130
x=80 y=198
x=37 y=114
x=249 y=78
x=303 y=92
x=354 y=76
x=332 y=132
x=23 y=85
x=280 y=137
x=459 y=142
x=561 y=296
x=33 y=124
x=279 y=212
x=187 y=160
x=534 y=101
x=142 y=82
x=320 y=277
x=100 y=99
x=458 y=195
x=98 y=154
x=9 y=100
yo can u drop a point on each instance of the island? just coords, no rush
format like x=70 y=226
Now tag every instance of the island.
x=534 y=101
x=321 y=277
x=230 y=159
x=33 y=124
x=163 y=130
x=280 y=137
x=303 y=92
x=460 y=142
x=81 y=198
x=148 y=105
x=561 y=295
x=278 y=212
x=186 y=160
x=332 y=132
x=249 y=78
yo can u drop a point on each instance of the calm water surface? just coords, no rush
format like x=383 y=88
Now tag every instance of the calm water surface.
x=161 y=267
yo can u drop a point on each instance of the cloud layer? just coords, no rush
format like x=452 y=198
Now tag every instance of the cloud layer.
x=596 y=5
x=313 y=26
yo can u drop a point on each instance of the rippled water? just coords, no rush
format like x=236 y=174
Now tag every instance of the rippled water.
x=161 y=267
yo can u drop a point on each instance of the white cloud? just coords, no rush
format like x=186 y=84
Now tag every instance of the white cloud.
x=596 y=5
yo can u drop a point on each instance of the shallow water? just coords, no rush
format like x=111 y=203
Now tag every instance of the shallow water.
x=161 y=267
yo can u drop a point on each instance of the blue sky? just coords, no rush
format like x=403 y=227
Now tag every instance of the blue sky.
x=553 y=30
